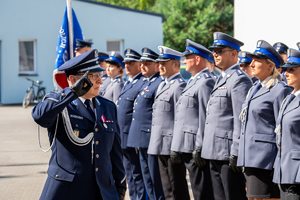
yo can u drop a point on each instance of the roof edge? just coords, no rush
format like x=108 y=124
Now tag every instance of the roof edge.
x=124 y=8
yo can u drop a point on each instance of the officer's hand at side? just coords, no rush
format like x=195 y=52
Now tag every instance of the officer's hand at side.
x=233 y=163
x=199 y=161
x=175 y=157
x=82 y=86
x=121 y=192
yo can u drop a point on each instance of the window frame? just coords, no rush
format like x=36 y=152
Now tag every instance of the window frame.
x=121 y=46
x=34 y=71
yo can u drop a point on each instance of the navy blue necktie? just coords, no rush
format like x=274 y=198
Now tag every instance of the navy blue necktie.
x=87 y=103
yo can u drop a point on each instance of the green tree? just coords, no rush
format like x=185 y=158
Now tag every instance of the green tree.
x=196 y=20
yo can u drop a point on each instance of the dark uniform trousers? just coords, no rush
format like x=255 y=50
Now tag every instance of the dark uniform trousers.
x=227 y=184
x=199 y=178
x=133 y=173
x=173 y=176
x=151 y=174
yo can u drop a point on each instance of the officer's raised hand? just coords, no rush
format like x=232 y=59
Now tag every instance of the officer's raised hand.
x=82 y=85
x=233 y=163
x=199 y=161
x=175 y=157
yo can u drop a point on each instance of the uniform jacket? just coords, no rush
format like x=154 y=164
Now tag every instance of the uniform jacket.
x=163 y=116
x=223 y=127
x=191 y=113
x=106 y=81
x=257 y=147
x=287 y=164
x=140 y=129
x=71 y=173
x=114 y=88
x=125 y=105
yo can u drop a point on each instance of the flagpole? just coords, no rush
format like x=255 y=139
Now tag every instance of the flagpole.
x=70 y=25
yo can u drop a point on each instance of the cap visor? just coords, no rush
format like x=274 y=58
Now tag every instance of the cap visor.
x=130 y=60
x=290 y=65
x=112 y=62
x=218 y=47
x=160 y=59
x=147 y=59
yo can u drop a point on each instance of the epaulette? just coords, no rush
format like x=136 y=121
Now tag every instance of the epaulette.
x=180 y=80
x=153 y=79
x=74 y=103
x=206 y=76
x=239 y=72
x=134 y=82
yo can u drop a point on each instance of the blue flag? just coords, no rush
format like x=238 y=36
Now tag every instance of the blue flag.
x=63 y=49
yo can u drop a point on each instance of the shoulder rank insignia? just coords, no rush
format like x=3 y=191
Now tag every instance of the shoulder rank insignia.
x=198 y=77
x=144 y=79
x=97 y=101
x=153 y=79
x=74 y=103
x=134 y=81
x=180 y=80
x=172 y=81
x=206 y=75
x=239 y=72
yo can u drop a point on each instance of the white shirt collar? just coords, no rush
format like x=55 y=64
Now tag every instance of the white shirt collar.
x=297 y=93
x=130 y=79
x=83 y=100
x=265 y=82
x=171 y=77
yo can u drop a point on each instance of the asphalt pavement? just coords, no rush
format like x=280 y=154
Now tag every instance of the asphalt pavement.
x=23 y=166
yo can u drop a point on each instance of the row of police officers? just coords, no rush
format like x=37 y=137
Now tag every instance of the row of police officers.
x=240 y=126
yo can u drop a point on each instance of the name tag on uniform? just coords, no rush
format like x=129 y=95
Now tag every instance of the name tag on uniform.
x=222 y=88
x=76 y=116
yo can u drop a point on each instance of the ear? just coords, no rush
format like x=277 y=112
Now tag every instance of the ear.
x=72 y=79
x=198 y=60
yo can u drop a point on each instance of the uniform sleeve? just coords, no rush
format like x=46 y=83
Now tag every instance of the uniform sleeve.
x=238 y=95
x=203 y=97
x=116 y=156
x=46 y=112
x=117 y=92
x=279 y=98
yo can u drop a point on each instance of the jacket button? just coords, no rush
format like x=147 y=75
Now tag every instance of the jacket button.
x=63 y=94
x=97 y=142
x=96 y=169
x=57 y=176
x=127 y=98
x=112 y=129
x=138 y=95
x=97 y=155
x=148 y=130
x=76 y=125
x=96 y=129
x=132 y=119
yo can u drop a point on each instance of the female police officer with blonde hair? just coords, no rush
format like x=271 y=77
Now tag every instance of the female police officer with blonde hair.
x=287 y=164
x=257 y=146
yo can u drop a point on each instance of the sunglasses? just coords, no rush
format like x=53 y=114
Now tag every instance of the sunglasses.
x=219 y=52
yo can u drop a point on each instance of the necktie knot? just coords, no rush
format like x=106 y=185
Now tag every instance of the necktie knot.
x=88 y=105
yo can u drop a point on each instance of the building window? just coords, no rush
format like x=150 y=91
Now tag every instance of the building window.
x=114 y=45
x=27 y=57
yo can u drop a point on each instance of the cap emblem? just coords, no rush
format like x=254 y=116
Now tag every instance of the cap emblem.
x=278 y=44
x=128 y=50
x=259 y=43
x=244 y=54
x=96 y=53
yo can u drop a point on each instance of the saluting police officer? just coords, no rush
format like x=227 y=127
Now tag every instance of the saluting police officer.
x=86 y=160
x=115 y=72
x=82 y=46
x=105 y=79
x=222 y=128
x=168 y=92
x=125 y=106
x=244 y=62
x=190 y=120
x=140 y=129
x=287 y=163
